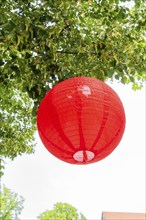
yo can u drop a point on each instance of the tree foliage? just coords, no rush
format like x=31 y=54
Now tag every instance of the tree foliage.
x=62 y=211
x=11 y=204
x=46 y=41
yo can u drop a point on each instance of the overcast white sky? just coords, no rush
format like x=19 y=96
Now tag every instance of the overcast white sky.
x=116 y=183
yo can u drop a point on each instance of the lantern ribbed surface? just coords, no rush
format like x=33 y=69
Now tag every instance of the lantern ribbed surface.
x=81 y=120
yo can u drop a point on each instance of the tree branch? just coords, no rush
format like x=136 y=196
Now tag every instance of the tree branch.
x=76 y=53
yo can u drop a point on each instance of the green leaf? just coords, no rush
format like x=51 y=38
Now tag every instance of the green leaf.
x=11 y=204
x=63 y=211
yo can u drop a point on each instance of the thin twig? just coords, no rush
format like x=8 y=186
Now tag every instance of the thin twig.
x=77 y=53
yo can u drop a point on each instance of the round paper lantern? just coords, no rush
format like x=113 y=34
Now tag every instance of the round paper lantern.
x=81 y=120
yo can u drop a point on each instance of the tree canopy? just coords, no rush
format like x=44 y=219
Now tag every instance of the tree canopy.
x=11 y=204
x=62 y=211
x=46 y=41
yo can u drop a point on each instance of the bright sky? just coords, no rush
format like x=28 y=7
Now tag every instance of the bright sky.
x=116 y=183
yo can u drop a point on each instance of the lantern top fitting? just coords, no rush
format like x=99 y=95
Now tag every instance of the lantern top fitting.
x=81 y=120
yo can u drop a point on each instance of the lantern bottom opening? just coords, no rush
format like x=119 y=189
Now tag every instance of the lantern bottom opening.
x=83 y=156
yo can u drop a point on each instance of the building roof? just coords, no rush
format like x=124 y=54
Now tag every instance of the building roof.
x=123 y=216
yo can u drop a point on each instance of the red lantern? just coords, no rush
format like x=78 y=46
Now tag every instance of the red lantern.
x=81 y=120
